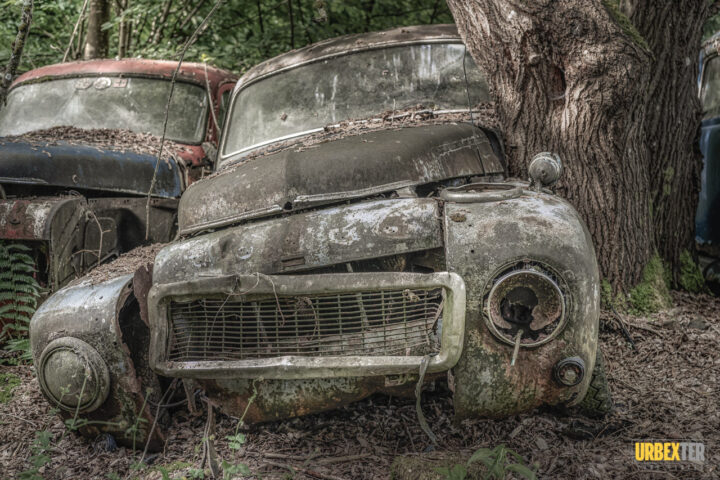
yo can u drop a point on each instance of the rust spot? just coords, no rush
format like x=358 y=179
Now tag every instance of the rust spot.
x=458 y=217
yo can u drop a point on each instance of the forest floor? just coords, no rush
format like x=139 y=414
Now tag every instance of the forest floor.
x=666 y=388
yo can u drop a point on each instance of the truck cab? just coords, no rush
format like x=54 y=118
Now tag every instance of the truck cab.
x=80 y=179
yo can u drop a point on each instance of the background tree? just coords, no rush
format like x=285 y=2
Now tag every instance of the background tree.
x=673 y=31
x=243 y=33
x=98 y=37
x=16 y=50
x=611 y=87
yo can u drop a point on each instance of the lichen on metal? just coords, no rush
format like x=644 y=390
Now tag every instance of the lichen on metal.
x=313 y=276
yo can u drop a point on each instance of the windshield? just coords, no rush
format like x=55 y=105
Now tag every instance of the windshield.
x=710 y=93
x=353 y=86
x=136 y=104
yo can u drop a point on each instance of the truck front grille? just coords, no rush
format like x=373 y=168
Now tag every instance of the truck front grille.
x=392 y=322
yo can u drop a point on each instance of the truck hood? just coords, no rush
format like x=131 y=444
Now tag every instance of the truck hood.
x=348 y=168
x=86 y=167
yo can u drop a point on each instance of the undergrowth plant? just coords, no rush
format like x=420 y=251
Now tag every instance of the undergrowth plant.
x=19 y=292
x=499 y=462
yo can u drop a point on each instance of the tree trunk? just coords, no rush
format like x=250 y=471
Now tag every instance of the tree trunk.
x=123 y=28
x=16 y=50
x=674 y=31
x=570 y=77
x=97 y=39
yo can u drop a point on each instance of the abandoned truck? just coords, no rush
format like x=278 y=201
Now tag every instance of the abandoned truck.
x=707 y=220
x=358 y=236
x=78 y=150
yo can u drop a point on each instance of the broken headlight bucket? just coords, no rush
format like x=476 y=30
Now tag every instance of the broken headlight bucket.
x=525 y=302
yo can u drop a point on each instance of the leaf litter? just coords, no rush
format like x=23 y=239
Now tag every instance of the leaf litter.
x=667 y=388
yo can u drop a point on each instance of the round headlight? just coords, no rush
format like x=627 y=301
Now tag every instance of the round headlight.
x=73 y=375
x=525 y=300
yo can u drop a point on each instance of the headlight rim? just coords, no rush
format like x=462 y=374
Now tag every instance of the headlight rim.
x=100 y=383
x=533 y=266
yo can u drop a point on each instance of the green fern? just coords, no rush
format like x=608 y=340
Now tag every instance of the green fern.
x=19 y=292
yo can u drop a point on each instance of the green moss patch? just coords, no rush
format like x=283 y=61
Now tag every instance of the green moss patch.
x=8 y=382
x=624 y=22
x=652 y=294
x=691 y=276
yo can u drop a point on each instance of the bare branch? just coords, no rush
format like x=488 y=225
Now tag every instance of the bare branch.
x=185 y=47
x=16 y=50
x=74 y=32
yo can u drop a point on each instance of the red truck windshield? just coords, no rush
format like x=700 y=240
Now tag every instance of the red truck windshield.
x=136 y=104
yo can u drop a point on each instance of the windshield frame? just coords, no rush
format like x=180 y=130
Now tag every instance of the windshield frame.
x=223 y=158
x=207 y=95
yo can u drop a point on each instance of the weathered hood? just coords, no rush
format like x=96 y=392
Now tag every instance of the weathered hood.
x=351 y=167
x=86 y=167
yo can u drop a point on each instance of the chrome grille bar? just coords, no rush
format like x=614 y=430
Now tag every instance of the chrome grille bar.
x=351 y=324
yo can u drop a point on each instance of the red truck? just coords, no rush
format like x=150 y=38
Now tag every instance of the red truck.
x=79 y=146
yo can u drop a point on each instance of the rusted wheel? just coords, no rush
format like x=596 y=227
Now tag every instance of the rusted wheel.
x=598 y=399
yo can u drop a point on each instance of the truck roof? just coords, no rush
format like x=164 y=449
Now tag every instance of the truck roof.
x=189 y=72
x=356 y=42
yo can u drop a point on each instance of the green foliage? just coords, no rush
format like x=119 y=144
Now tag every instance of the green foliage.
x=712 y=25
x=652 y=294
x=8 y=382
x=196 y=473
x=40 y=456
x=498 y=462
x=230 y=470
x=19 y=292
x=241 y=34
x=691 y=276
x=235 y=442
x=456 y=472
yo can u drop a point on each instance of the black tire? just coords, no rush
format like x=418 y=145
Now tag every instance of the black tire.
x=598 y=399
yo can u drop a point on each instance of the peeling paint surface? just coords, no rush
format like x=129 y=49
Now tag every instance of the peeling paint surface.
x=91 y=313
x=333 y=235
x=26 y=219
x=340 y=170
x=545 y=230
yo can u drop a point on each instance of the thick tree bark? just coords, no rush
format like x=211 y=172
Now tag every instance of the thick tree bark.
x=16 y=50
x=570 y=77
x=97 y=39
x=673 y=30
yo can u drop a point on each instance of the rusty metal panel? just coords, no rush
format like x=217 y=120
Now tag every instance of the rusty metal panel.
x=308 y=240
x=306 y=364
x=86 y=167
x=482 y=240
x=336 y=171
x=91 y=313
x=29 y=219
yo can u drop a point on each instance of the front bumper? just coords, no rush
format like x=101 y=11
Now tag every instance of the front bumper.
x=308 y=289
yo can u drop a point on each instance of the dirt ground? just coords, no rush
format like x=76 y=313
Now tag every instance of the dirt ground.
x=667 y=388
